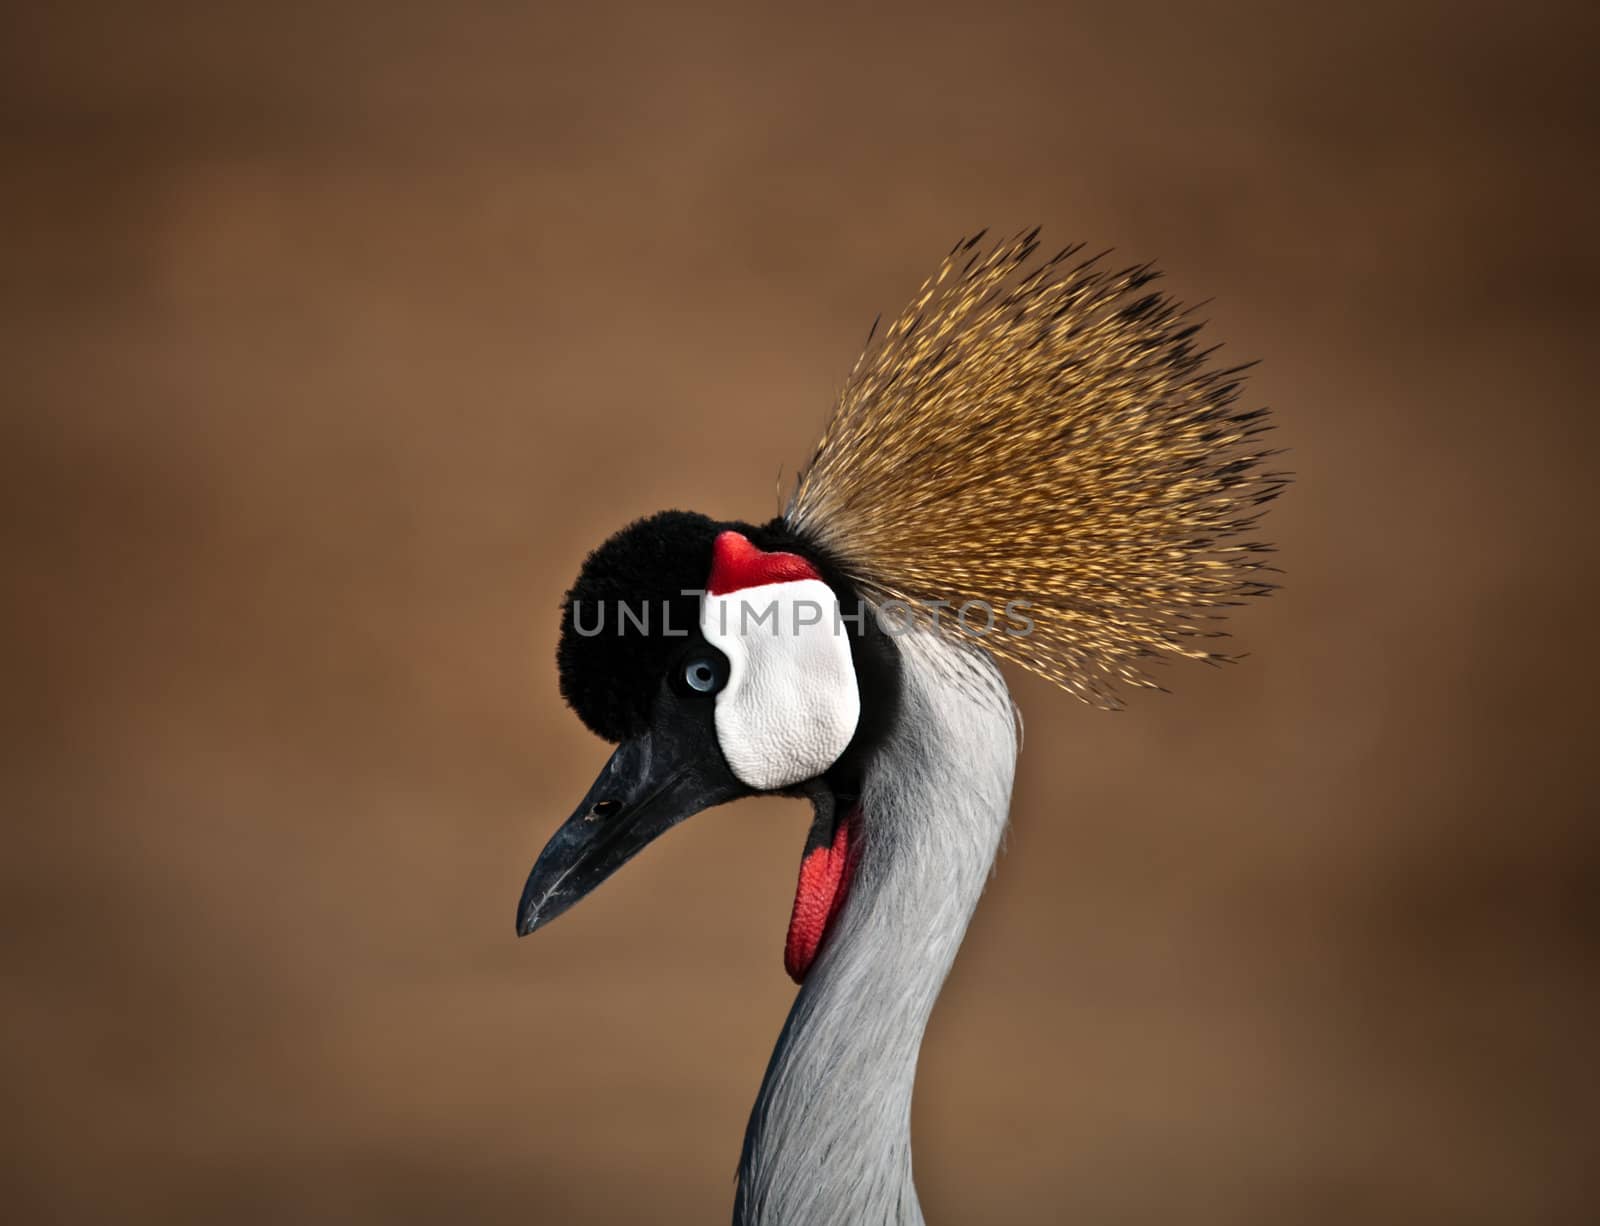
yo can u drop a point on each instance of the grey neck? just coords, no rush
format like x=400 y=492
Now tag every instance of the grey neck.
x=829 y=1139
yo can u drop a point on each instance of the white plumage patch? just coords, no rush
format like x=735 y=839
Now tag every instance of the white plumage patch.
x=791 y=703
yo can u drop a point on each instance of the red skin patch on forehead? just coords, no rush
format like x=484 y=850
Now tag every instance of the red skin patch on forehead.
x=736 y=563
x=825 y=874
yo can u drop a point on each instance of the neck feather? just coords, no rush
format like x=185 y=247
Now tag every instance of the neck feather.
x=829 y=1139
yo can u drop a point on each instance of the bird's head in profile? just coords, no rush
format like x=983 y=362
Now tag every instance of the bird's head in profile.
x=723 y=660
x=1046 y=433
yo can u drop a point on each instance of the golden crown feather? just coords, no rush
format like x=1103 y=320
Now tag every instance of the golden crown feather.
x=1046 y=432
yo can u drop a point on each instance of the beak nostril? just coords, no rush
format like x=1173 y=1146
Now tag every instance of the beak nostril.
x=602 y=809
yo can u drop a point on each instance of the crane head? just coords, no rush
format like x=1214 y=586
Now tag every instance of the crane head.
x=1048 y=434
x=723 y=660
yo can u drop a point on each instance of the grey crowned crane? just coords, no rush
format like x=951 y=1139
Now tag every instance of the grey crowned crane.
x=1034 y=463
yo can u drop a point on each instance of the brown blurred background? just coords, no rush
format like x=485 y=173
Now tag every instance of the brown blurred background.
x=335 y=335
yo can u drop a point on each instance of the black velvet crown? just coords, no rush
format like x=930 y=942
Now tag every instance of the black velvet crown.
x=611 y=678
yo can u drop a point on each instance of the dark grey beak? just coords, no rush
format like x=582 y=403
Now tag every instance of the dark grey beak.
x=651 y=783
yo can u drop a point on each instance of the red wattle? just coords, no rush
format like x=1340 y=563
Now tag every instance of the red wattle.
x=824 y=882
x=736 y=563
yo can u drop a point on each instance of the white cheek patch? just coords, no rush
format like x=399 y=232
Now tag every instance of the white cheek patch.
x=791 y=703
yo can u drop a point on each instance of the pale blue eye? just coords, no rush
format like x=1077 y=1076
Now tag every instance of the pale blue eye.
x=701 y=675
